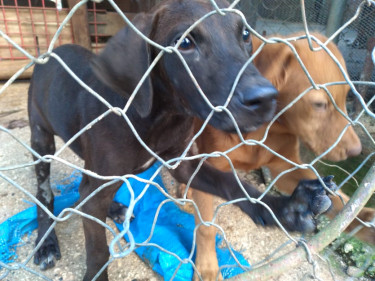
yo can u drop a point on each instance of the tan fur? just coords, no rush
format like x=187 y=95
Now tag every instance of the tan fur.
x=312 y=120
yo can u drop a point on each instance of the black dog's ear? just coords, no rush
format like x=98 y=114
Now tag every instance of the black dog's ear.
x=124 y=61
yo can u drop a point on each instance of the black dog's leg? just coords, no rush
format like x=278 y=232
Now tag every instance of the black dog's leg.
x=97 y=252
x=43 y=142
x=296 y=212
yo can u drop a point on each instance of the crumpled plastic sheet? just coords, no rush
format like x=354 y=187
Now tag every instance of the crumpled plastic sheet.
x=173 y=230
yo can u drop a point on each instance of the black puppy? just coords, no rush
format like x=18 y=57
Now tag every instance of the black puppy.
x=161 y=113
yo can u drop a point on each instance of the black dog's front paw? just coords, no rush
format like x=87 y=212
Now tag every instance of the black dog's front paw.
x=308 y=201
x=48 y=252
x=117 y=212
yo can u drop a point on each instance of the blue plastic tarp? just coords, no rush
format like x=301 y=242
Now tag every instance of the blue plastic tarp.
x=173 y=229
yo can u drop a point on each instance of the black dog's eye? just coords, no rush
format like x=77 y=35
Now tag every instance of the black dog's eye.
x=186 y=44
x=246 y=35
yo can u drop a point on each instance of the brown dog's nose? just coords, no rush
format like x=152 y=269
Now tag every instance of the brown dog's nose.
x=354 y=150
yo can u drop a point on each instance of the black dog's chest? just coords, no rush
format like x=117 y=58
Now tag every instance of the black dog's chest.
x=171 y=136
x=133 y=151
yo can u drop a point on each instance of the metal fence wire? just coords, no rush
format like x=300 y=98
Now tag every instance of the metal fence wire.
x=355 y=38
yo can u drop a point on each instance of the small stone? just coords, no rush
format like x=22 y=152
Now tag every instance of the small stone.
x=57 y=271
x=70 y=277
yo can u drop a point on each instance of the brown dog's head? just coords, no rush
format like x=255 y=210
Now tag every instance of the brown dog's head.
x=314 y=119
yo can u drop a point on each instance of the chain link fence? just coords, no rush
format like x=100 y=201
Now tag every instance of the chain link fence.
x=355 y=41
x=354 y=37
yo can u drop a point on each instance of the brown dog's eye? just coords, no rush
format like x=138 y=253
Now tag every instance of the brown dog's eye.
x=320 y=105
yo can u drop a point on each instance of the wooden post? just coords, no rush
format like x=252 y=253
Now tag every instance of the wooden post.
x=250 y=10
x=80 y=25
x=365 y=75
x=335 y=17
x=134 y=6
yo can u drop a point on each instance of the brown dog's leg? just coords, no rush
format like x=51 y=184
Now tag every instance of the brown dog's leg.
x=367 y=214
x=206 y=260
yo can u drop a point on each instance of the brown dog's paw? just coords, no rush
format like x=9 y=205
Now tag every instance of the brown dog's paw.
x=208 y=270
x=187 y=207
x=366 y=234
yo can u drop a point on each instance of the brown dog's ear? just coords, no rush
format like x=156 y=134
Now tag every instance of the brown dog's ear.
x=256 y=42
x=124 y=61
x=273 y=62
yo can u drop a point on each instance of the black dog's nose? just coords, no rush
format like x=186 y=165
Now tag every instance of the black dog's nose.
x=258 y=97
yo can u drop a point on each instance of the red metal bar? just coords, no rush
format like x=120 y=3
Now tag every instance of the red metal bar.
x=27 y=46
x=19 y=22
x=39 y=8
x=45 y=22
x=14 y=58
x=58 y=24
x=33 y=29
x=6 y=28
x=34 y=33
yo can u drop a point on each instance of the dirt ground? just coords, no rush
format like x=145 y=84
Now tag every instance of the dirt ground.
x=253 y=241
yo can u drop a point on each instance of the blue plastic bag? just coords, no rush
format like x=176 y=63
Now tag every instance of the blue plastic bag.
x=173 y=230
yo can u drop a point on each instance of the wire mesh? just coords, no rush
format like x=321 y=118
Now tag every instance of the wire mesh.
x=266 y=17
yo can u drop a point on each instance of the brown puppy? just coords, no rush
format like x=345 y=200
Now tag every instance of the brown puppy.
x=312 y=120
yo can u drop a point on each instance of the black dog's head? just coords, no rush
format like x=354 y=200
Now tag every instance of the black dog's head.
x=215 y=51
